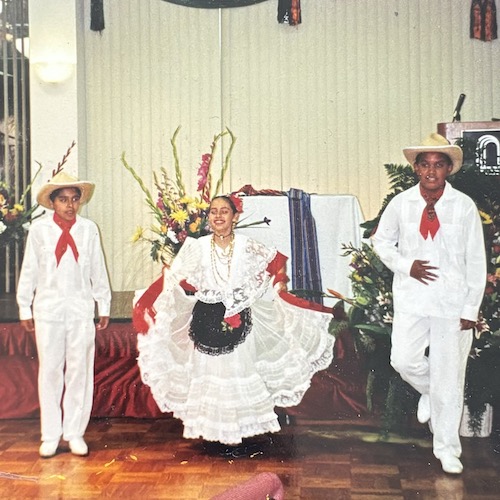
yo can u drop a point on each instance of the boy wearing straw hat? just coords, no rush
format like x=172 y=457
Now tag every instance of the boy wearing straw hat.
x=431 y=237
x=63 y=276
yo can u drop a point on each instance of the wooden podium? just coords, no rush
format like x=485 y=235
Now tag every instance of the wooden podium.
x=454 y=130
x=480 y=142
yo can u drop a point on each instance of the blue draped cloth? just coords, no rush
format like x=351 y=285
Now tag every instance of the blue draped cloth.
x=306 y=273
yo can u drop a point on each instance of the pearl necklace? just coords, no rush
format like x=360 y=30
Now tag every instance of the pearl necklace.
x=221 y=260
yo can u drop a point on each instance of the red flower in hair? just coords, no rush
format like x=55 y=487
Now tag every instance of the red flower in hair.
x=237 y=202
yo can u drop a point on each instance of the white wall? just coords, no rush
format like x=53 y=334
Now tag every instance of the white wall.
x=53 y=106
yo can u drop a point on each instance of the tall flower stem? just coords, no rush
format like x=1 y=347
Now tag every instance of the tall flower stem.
x=149 y=199
x=178 y=173
x=226 y=160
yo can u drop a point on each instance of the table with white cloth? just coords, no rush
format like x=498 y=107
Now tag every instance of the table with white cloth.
x=337 y=218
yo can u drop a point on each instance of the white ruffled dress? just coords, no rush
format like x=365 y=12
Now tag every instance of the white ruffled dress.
x=231 y=396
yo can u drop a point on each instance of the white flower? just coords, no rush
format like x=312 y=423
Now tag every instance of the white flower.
x=3 y=227
x=387 y=318
x=383 y=298
x=172 y=236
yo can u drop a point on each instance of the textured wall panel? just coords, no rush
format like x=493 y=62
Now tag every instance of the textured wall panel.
x=321 y=106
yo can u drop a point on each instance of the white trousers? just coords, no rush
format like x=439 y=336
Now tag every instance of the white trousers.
x=65 y=375
x=441 y=374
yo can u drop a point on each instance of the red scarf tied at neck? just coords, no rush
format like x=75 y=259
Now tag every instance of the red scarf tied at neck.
x=65 y=239
x=429 y=224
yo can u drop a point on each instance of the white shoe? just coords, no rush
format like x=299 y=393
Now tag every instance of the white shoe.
x=451 y=464
x=78 y=447
x=424 y=409
x=48 y=448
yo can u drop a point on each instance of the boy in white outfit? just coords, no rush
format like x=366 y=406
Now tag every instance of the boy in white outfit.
x=63 y=277
x=431 y=237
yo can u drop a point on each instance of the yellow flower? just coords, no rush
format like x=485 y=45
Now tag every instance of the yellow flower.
x=186 y=200
x=139 y=231
x=2 y=199
x=486 y=218
x=202 y=205
x=18 y=207
x=179 y=216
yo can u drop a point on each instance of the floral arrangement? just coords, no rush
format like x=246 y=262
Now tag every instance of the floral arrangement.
x=177 y=214
x=372 y=289
x=370 y=320
x=15 y=216
x=372 y=307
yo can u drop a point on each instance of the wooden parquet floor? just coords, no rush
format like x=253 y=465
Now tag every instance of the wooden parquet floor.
x=149 y=459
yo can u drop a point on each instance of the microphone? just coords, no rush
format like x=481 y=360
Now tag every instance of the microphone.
x=458 y=107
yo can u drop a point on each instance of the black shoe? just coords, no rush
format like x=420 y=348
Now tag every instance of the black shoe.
x=216 y=448
x=243 y=450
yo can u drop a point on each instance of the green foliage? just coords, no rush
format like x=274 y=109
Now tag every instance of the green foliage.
x=401 y=177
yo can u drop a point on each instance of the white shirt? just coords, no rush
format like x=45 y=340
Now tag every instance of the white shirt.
x=457 y=251
x=71 y=289
x=248 y=279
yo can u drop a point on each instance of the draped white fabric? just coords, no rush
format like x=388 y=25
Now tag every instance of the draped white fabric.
x=337 y=221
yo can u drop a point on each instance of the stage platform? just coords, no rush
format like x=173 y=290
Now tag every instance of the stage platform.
x=335 y=393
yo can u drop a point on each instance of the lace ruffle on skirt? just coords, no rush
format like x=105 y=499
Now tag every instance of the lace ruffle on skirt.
x=228 y=397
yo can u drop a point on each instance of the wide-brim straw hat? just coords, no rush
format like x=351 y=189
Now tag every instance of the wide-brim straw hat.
x=64 y=180
x=436 y=143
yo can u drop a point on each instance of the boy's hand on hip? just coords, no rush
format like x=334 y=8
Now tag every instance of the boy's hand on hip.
x=466 y=324
x=103 y=323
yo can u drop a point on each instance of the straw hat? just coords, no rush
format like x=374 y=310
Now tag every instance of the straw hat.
x=63 y=180
x=436 y=143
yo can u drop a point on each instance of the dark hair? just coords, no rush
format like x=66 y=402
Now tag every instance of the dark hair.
x=419 y=156
x=56 y=192
x=225 y=198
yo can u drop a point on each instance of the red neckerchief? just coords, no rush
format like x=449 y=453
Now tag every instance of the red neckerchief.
x=65 y=239
x=430 y=222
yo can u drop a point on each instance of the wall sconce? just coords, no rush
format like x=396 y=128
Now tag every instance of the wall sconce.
x=53 y=71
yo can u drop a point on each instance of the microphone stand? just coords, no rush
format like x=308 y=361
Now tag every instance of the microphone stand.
x=458 y=107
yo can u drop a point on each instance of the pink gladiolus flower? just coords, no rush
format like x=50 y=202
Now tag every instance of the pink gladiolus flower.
x=203 y=171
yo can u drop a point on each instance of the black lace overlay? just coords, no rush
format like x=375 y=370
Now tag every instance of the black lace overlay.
x=211 y=335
